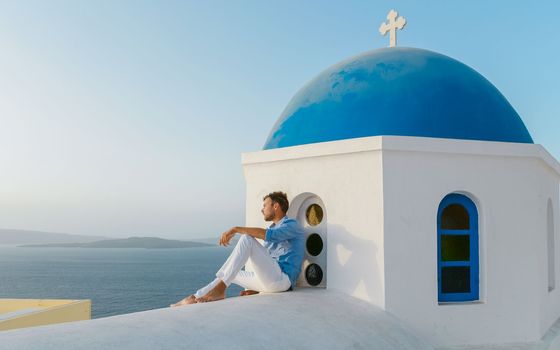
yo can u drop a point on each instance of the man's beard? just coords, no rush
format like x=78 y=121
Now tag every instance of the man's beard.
x=269 y=218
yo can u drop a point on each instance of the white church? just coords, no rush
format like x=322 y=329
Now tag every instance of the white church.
x=422 y=193
x=430 y=215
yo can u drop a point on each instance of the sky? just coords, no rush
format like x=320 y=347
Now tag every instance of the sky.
x=128 y=118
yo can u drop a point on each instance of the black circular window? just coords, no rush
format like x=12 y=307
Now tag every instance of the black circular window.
x=314 y=244
x=314 y=274
x=314 y=214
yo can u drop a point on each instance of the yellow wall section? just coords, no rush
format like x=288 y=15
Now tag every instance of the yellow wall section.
x=46 y=312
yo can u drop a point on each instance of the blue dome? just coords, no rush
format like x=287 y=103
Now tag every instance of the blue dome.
x=398 y=91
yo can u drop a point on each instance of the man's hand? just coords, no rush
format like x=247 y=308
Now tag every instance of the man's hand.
x=227 y=236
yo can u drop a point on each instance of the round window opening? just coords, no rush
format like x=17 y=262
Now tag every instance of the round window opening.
x=314 y=274
x=314 y=244
x=314 y=214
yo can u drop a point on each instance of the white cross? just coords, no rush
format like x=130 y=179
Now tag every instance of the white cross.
x=391 y=27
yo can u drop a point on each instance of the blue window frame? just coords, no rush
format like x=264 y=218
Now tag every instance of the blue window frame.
x=457 y=240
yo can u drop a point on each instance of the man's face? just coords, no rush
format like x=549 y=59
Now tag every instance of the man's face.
x=268 y=209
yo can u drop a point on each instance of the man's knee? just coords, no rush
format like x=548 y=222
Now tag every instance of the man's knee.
x=246 y=239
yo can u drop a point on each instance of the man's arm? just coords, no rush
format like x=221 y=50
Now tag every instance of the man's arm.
x=256 y=232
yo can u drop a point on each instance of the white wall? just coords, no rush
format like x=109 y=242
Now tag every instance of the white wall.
x=348 y=180
x=549 y=300
x=510 y=190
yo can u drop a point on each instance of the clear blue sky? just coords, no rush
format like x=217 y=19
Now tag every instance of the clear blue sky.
x=125 y=118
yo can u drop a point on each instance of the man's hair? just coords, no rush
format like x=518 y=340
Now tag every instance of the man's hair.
x=281 y=198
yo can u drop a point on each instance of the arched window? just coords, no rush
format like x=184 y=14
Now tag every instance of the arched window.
x=457 y=241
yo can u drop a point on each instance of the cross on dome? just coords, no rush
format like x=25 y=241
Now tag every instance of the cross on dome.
x=391 y=27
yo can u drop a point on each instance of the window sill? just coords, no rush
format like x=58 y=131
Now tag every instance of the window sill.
x=473 y=302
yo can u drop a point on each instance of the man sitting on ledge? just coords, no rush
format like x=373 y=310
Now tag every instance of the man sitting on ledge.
x=276 y=265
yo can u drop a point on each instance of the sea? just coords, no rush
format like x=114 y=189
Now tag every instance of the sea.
x=116 y=280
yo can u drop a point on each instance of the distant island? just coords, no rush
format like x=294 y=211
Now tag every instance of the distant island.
x=132 y=242
x=17 y=237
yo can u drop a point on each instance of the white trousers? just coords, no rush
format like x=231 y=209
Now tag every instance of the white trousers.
x=265 y=274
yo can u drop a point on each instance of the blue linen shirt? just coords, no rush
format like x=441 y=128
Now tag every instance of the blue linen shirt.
x=284 y=242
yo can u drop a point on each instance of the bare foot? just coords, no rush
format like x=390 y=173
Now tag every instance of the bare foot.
x=215 y=294
x=248 y=292
x=191 y=299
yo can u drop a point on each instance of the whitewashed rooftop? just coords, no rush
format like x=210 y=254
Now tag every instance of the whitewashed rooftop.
x=304 y=319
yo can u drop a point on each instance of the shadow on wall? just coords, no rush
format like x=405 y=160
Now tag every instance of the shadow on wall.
x=353 y=265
